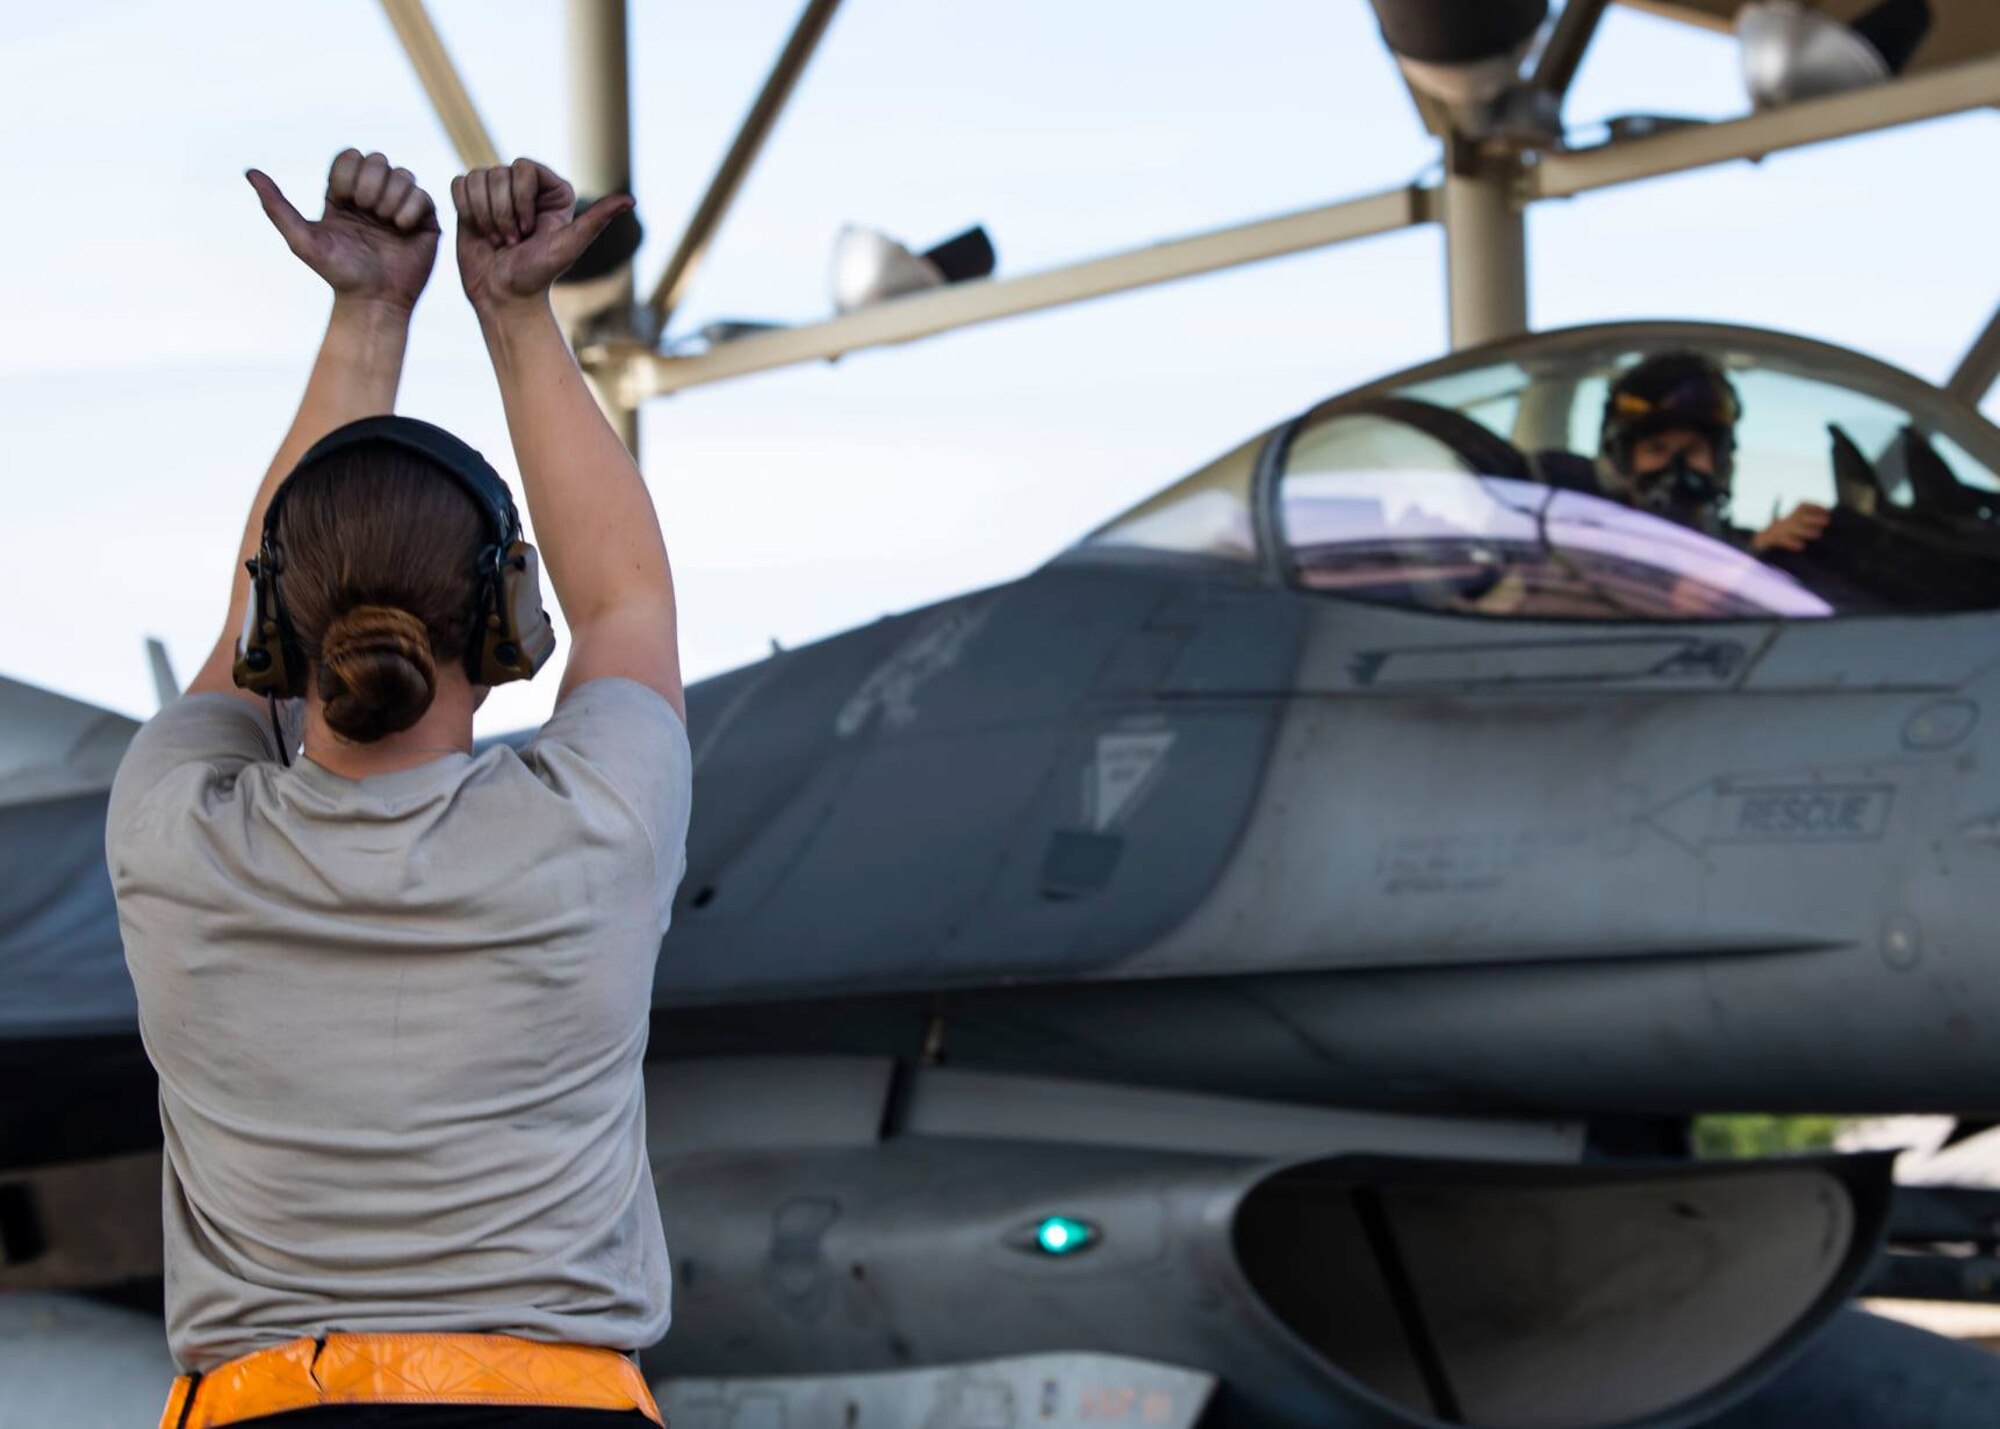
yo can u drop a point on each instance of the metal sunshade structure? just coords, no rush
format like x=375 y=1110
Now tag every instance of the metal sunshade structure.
x=1489 y=183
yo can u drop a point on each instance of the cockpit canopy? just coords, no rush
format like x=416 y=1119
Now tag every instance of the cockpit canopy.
x=1472 y=486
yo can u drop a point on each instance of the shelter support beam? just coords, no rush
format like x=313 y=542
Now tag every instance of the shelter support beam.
x=600 y=119
x=649 y=374
x=1556 y=67
x=742 y=155
x=1684 y=14
x=1486 y=251
x=1974 y=85
x=440 y=80
x=600 y=110
x=1980 y=367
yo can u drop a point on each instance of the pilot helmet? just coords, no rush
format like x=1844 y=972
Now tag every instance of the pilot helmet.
x=1672 y=391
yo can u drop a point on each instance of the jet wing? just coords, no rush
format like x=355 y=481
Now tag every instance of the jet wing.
x=54 y=747
x=60 y=959
x=1960 y=29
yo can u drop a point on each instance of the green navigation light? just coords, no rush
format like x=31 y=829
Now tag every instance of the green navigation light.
x=1059 y=1235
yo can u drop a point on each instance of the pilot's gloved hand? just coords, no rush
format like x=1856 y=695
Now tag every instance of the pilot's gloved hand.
x=518 y=231
x=377 y=238
x=1805 y=524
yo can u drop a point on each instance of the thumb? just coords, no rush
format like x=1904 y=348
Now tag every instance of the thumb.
x=589 y=226
x=286 y=219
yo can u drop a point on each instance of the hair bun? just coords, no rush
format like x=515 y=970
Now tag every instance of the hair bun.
x=376 y=672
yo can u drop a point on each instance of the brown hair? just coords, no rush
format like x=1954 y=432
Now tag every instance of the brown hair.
x=378 y=581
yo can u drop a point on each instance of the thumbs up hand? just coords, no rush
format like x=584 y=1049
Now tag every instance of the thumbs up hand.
x=375 y=240
x=518 y=231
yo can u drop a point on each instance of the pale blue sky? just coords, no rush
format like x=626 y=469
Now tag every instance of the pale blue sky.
x=158 y=332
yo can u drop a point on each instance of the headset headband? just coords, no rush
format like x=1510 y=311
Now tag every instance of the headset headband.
x=472 y=473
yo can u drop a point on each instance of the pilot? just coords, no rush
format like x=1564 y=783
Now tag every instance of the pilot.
x=1669 y=447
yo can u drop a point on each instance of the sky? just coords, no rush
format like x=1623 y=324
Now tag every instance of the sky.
x=158 y=333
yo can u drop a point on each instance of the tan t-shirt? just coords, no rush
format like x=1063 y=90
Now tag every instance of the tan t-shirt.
x=399 y=1023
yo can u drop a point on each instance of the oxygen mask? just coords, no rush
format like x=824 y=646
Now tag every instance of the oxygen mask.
x=1683 y=493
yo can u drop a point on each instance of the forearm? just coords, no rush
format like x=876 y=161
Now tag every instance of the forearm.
x=595 y=523
x=356 y=374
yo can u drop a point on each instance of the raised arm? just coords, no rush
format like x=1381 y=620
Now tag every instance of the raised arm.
x=594 y=519
x=374 y=245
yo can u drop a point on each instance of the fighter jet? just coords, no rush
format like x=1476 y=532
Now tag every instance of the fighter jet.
x=1214 y=952
x=1258 y=968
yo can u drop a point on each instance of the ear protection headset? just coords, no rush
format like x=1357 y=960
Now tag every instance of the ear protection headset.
x=511 y=635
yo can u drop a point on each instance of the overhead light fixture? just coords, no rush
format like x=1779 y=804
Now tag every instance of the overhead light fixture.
x=1791 y=52
x=871 y=267
x=1464 y=54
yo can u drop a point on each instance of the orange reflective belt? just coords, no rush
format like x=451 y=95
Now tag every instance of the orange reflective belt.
x=408 y=1369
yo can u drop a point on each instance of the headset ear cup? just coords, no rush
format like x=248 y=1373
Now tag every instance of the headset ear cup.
x=265 y=662
x=515 y=638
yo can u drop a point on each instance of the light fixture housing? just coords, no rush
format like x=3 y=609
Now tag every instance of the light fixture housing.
x=1463 y=53
x=871 y=267
x=1791 y=52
